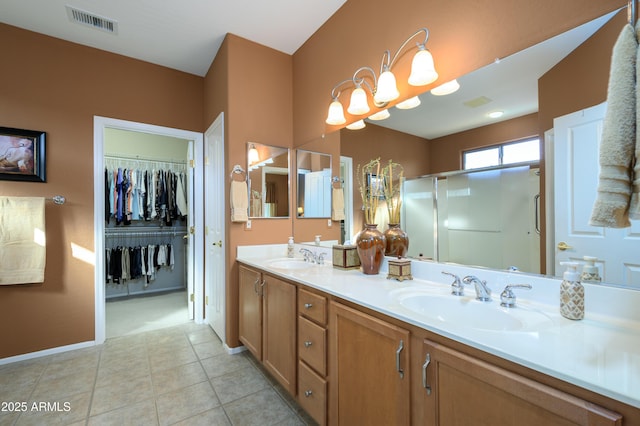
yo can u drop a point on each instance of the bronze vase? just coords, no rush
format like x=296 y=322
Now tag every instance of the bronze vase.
x=397 y=241
x=370 y=244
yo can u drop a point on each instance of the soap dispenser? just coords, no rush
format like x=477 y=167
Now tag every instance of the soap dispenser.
x=571 y=293
x=290 y=247
x=590 y=272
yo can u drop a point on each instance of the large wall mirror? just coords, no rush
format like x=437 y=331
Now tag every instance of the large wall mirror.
x=268 y=168
x=314 y=184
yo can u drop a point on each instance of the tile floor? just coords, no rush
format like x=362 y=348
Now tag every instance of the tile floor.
x=177 y=375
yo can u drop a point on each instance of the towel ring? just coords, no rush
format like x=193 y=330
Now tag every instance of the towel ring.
x=238 y=171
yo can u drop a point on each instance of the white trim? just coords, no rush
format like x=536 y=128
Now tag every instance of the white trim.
x=99 y=125
x=46 y=352
x=234 y=351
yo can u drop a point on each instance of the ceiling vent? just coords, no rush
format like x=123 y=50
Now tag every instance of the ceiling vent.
x=92 y=20
x=479 y=101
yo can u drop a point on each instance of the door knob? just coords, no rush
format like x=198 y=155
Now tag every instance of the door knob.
x=563 y=246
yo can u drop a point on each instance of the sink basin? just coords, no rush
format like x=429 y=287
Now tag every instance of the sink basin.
x=289 y=264
x=468 y=312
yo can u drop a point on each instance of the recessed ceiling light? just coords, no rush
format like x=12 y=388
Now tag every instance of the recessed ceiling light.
x=496 y=114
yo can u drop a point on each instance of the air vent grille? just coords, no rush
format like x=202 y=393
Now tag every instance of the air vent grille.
x=92 y=20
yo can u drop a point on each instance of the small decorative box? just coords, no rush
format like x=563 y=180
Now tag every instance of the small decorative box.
x=400 y=269
x=345 y=257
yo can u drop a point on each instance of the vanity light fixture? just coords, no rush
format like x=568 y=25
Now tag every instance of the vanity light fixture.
x=446 y=88
x=383 y=89
x=356 y=125
x=409 y=103
x=254 y=157
x=380 y=115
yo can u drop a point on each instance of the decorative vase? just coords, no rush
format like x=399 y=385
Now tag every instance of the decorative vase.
x=397 y=241
x=370 y=244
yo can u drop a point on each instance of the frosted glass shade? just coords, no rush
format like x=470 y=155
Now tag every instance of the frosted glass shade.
x=358 y=104
x=423 y=71
x=446 y=88
x=409 y=103
x=356 y=125
x=387 y=90
x=335 y=117
x=380 y=115
x=254 y=157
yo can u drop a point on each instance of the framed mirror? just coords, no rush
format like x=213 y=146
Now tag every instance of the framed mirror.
x=314 y=184
x=268 y=168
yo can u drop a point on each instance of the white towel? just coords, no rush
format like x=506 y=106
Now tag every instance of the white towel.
x=611 y=208
x=239 y=199
x=337 y=204
x=22 y=240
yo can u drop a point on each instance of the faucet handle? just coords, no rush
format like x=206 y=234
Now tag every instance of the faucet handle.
x=320 y=258
x=508 y=297
x=457 y=289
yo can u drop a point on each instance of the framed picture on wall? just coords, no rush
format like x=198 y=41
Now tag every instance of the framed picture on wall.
x=22 y=155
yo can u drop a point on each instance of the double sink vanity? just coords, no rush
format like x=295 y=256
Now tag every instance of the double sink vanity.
x=362 y=349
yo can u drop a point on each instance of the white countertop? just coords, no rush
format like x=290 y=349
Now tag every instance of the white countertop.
x=600 y=353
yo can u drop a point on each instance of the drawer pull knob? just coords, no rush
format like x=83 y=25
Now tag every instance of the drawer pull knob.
x=308 y=393
x=308 y=305
x=308 y=344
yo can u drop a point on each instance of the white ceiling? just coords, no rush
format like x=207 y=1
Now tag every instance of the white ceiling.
x=183 y=35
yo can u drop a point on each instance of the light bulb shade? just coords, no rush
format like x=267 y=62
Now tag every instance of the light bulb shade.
x=356 y=125
x=387 y=90
x=409 y=103
x=358 y=104
x=335 y=117
x=380 y=115
x=254 y=157
x=446 y=88
x=423 y=71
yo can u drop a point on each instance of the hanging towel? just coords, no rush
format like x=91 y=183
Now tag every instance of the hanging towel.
x=239 y=201
x=22 y=240
x=611 y=208
x=634 y=207
x=337 y=204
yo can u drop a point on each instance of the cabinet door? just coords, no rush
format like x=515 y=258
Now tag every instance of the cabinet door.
x=279 y=331
x=465 y=391
x=368 y=370
x=250 y=310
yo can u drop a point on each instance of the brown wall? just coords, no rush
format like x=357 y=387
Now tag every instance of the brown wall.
x=57 y=87
x=374 y=142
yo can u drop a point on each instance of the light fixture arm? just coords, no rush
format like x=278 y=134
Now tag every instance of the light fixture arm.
x=388 y=64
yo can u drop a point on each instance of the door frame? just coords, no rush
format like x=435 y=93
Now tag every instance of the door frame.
x=99 y=126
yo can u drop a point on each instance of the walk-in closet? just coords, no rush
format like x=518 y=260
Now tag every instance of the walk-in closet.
x=146 y=205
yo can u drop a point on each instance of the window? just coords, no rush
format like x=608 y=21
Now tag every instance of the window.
x=524 y=151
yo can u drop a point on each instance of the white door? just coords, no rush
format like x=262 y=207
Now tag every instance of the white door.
x=214 y=190
x=577 y=138
x=317 y=194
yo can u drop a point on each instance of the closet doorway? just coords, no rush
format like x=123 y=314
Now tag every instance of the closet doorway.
x=147 y=246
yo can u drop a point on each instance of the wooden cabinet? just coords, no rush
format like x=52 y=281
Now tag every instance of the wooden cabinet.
x=312 y=354
x=369 y=371
x=267 y=323
x=461 y=390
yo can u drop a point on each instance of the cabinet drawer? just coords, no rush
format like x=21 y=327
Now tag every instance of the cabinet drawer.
x=312 y=393
x=312 y=306
x=312 y=345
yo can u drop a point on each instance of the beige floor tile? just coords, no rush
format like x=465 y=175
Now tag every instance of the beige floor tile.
x=224 y=364
x=263 y=408
x=185 y=403
x=214 y=417
x=239 y=384
x=61 y=366
x=121 y=394
x=58 y=386
x=56 y=411
x=208 y=349
x=141 y=413
x=176 y=378
x=169 y=359
x=203 y=336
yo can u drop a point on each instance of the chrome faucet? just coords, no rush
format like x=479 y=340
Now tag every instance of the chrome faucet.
x=457 y=289
x=312 y=257
x=483 y=293
x=508 y=298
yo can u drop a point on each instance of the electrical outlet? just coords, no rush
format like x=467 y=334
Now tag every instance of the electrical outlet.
x=248 y=225
x=329 y=223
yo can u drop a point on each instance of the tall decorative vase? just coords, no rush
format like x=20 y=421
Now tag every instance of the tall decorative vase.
x=370 y=244
x=397 y=241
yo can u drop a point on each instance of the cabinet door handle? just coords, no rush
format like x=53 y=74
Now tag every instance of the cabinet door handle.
x=308 y=305
x=308 y=344
x=398 y=351
x=425 y=385
x=264 y=281
x=255 y=285
x=308 y=393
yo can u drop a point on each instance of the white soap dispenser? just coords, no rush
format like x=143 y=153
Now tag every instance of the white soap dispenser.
x=590 y=272
x=290 y=247
x=571 y=293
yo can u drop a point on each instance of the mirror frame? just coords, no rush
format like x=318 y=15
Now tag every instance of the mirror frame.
x=299 y=203
x=264 y=167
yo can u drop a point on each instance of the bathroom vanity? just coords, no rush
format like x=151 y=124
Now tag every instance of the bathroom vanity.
x=359 y=349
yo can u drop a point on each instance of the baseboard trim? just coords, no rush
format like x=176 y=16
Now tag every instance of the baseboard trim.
x=236 y=350
x=46 y=352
